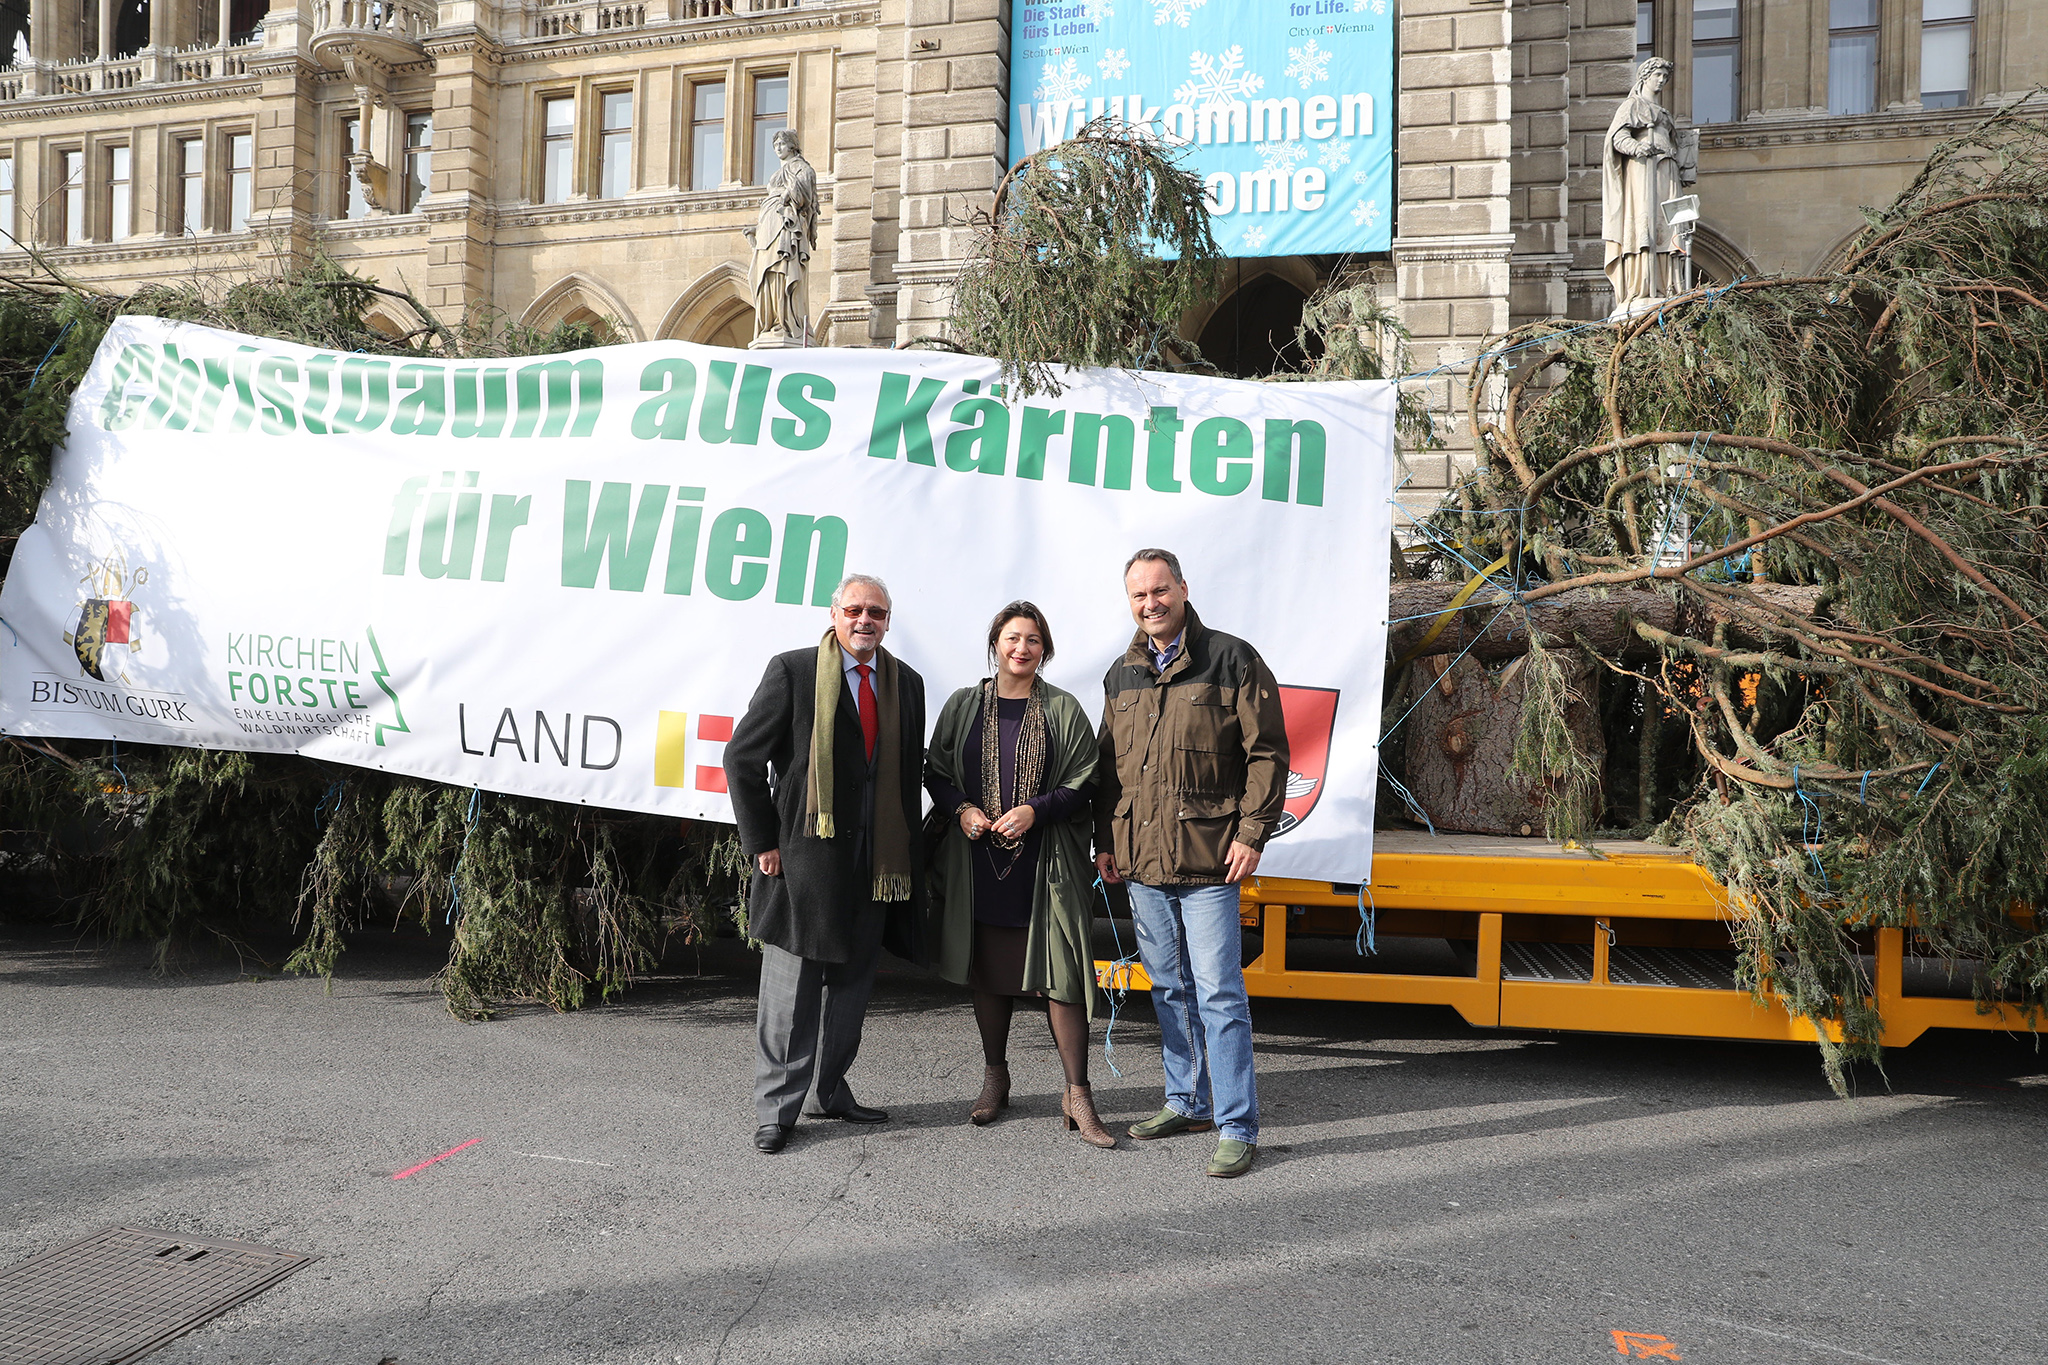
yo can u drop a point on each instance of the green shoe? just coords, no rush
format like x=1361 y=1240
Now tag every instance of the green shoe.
x=1166 y=1123
x=1232 y=1158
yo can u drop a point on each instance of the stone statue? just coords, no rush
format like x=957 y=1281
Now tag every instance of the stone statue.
x=1639 y=172
x=784 y=234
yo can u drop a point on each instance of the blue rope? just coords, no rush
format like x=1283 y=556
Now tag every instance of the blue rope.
x=115 y=758
x=1862 y=788
x=1119 y=973
x=61 y=334
x=1408 y=799
x=332 y=794
x=10 y=631
x=1440 y=677
x=1925 y=780
x=1367 y=944
x=1809 y=825
x=468 y=824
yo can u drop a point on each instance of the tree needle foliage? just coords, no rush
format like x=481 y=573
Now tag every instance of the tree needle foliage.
x=1842 y=480
x=1089 y=255
x=537 y=901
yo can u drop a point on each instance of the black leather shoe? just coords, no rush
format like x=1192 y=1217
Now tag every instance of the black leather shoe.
x=771 y=1137
x=854 y=1112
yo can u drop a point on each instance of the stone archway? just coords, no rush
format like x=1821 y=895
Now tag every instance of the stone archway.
x=715 y=310
x=1249 y=331
x=1837 y=251
x=578 y=297
x=1716 y=259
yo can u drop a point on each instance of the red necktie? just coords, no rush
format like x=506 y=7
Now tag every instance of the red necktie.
x=870 y=724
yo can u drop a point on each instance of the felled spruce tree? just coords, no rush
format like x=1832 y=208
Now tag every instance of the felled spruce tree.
x=539 y=901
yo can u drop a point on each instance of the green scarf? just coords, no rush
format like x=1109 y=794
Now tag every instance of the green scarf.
x=891 y=850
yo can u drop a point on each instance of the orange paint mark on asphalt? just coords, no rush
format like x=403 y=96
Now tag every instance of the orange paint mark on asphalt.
x=1646 y=1346
x=415 y=1170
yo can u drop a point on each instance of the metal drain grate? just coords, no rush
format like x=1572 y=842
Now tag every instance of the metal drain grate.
x=118 y=1295
x=1546 y=961
x=1701 y=969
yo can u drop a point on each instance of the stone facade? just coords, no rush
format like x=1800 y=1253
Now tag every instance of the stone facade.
x=560 y=143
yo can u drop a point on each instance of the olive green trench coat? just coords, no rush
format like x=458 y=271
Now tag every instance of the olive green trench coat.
x=1059 y=954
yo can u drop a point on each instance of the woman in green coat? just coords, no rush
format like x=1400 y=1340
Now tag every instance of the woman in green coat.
x=1012 y=761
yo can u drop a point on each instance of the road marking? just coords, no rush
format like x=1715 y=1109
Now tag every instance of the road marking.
x=543 y=1156
x=1647 y=1345
x=415 y=1170
x=1802 y=1341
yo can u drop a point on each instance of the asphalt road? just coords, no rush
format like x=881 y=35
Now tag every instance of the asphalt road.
x=1427 y=1192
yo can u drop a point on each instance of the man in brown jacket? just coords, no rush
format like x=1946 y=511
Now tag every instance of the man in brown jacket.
x=1193 y=777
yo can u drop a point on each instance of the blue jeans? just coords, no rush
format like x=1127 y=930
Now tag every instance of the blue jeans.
x=1192 y=947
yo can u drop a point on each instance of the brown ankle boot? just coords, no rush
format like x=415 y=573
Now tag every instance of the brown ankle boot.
x=994 y=1097
x=1078 y=1104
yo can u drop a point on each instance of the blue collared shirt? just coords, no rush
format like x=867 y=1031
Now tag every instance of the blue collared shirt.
x=1162 y=659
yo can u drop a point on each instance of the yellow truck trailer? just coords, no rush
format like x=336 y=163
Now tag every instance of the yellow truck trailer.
x=1611 y=937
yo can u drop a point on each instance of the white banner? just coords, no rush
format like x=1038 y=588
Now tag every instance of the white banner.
x=562 y=576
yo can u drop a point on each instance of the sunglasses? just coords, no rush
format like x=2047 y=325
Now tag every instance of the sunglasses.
x=872 y=613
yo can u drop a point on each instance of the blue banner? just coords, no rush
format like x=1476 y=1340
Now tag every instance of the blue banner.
x=1283 y=106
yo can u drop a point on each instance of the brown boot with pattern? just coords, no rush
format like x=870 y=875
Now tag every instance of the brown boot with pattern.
x=994 y=1097
x=1078 y=1105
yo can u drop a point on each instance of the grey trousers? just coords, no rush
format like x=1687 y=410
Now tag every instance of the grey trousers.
x=809 y=1021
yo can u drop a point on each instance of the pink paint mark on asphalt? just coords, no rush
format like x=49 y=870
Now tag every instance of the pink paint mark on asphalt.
x=415 y=1170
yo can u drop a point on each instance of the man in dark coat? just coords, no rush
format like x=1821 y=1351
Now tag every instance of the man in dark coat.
x=823 y=771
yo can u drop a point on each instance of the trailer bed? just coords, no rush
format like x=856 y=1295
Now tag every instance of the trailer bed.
x=1615 y=936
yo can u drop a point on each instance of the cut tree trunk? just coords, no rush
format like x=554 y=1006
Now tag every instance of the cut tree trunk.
x=1605 y=617
x=1462 y=744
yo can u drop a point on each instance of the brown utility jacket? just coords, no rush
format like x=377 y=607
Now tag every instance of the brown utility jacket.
x=1192 y=759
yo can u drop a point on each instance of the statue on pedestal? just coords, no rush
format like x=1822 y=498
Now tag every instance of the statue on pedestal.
x=1640 y=171
x=784 y=234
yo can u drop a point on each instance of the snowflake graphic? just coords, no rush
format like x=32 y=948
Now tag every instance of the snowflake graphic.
x=1113 y=64
x=1336 y=156
x=1095 y=11
x=1365 y=213
x=1218 y=78
x=1307 y=64
x=1253 y=238
x=1362 y=176
x=1368 y=6
x=1062 y=82
x=1282 y=156
x=1175 y=11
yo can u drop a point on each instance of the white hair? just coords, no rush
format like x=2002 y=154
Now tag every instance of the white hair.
x=865 y=578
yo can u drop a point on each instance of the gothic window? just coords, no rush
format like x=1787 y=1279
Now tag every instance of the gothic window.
x=120 y=193
x=557 y=149
x=1947 y=33
x=190 y=206
x=1852 y=56
x=1716 y=61
x=771 y=116
x=71 y=179
x=615 y=147
x=707 y=135
x=419 y=156
x=241 y=180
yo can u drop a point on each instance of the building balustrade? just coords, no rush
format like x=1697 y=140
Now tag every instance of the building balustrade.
x=86 y=76
x=390 y=31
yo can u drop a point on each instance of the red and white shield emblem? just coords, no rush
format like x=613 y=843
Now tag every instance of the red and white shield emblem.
x=1311 y=714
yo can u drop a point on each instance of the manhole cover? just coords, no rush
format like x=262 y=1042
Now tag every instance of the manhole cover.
x=119 y=1294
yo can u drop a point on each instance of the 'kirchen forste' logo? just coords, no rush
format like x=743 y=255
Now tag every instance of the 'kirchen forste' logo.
x=1310 y=714
x=106 y=617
